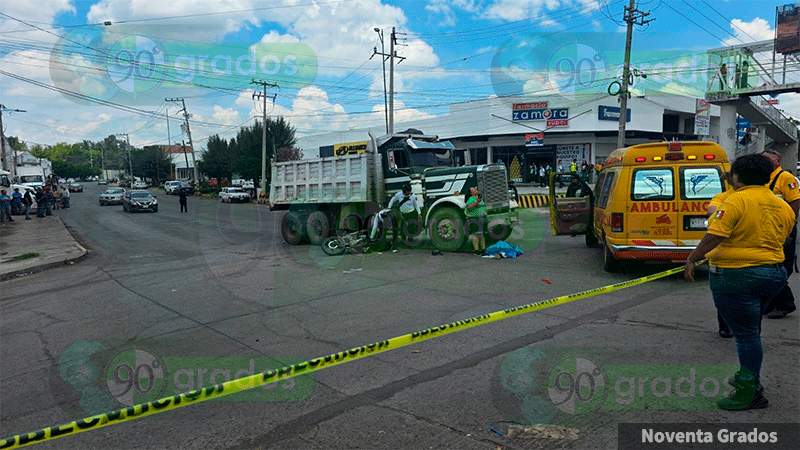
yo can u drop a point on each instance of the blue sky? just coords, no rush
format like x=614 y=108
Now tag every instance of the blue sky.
x=458 y=50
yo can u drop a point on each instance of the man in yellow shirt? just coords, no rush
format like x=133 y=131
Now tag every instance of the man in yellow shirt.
x=744 y=247
x=784 y=185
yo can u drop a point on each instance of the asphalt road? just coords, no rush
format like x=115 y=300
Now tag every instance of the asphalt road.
x=167 y=302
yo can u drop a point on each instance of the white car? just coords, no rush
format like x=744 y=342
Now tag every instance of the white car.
x=139 y=184
x=233 y=194
x=171 y=187
x=111 y=196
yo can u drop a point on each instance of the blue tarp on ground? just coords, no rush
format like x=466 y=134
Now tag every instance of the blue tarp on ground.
x=504 y=250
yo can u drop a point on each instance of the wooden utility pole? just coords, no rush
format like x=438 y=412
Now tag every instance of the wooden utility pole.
x=195 y=173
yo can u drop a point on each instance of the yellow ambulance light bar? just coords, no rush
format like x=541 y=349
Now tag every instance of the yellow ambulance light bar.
x=661 y=152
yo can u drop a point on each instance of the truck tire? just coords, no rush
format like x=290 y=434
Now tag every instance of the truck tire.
x=498 y=230
x=293 y=228
x=446 y=229
x=352 y=222
x=317 y=227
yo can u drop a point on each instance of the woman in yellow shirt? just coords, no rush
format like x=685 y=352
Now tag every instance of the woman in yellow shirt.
x=744 y=248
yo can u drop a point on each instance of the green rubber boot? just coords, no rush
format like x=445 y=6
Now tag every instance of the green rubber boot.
x=747 y=393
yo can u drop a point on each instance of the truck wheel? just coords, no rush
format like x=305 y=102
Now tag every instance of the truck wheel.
x=498 y=230
x=317 y=227
x=293 y=228
x=447 y=229
x=610 y=264
x=352 y=223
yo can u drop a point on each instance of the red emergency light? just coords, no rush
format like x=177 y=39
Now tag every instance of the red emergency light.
x=675 y=146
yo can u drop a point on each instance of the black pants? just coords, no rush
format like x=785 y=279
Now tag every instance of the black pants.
x=400 y=225
x=183 y=207
x=784 y=300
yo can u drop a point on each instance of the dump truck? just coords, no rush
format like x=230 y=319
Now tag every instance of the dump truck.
x=322 y=195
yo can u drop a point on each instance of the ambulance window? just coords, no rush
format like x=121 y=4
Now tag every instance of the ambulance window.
x=700 y=183
x=605 y=191
x=652 y=184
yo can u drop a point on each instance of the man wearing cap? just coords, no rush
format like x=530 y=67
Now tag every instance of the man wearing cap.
x=784 y=185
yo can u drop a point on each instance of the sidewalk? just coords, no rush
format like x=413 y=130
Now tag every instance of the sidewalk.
x=34 y=245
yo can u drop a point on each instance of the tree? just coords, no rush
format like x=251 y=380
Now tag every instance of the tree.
x=150 y=162
x=217 y=161
x=289 y=154
x=247 y=146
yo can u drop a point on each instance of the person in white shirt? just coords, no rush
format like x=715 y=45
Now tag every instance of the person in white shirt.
x=403 y=208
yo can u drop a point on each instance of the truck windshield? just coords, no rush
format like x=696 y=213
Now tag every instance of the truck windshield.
x=431 y=158
x=31 y=179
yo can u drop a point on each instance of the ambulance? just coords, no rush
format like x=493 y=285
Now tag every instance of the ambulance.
x=649 y=202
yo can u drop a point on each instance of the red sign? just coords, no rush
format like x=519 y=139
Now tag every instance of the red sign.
x=532 y=105
x=555 y=123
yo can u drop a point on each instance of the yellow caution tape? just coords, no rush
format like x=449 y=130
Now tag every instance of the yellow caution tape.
x=306 y=367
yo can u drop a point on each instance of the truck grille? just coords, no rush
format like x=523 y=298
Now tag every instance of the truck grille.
x=493 y=185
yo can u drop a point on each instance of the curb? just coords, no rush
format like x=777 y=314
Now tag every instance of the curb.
x=42 y=267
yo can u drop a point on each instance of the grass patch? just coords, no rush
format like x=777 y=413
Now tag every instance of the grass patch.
x=25 y=256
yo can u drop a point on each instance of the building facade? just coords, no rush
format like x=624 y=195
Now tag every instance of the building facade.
x=526 y=132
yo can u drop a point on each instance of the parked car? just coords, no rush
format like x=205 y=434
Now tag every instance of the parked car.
x=101 y=182
x=111 y=196
x=75 y=187
x=172 y=186
x=134 y=201
x=233 y=194
x=139 y=184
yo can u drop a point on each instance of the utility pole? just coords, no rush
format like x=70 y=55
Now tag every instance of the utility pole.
x=263 y=96
x=195 y=173
x=128 y=145
x=383 y=63
x=5 y=165
x=391 y=56
x=185 y=157
x=632 y=16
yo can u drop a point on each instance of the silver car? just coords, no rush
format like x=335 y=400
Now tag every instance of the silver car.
x=111 y=196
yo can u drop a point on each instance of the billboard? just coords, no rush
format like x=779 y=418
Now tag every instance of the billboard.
x=787 y=31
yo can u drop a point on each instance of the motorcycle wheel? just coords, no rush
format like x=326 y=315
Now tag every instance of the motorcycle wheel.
x=333 y=246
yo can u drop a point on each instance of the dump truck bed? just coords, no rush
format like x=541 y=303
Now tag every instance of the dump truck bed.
x=342 y=179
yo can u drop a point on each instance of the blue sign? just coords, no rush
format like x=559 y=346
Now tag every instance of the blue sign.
x=611 y=113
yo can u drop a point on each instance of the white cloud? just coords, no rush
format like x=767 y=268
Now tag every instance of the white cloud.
x=757 y=29
x=522 y=9
x=446 y=9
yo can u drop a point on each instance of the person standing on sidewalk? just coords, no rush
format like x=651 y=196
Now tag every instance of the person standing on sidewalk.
x=27 y=201
x=16 y=202
x=542 y=175
x=785 y=186
x=182 y=200
x=49 y=201
x=65 y=195
x=744 y=248
x=5 y=207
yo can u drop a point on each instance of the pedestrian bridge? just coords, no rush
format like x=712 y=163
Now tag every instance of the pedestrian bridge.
x=740 y=80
